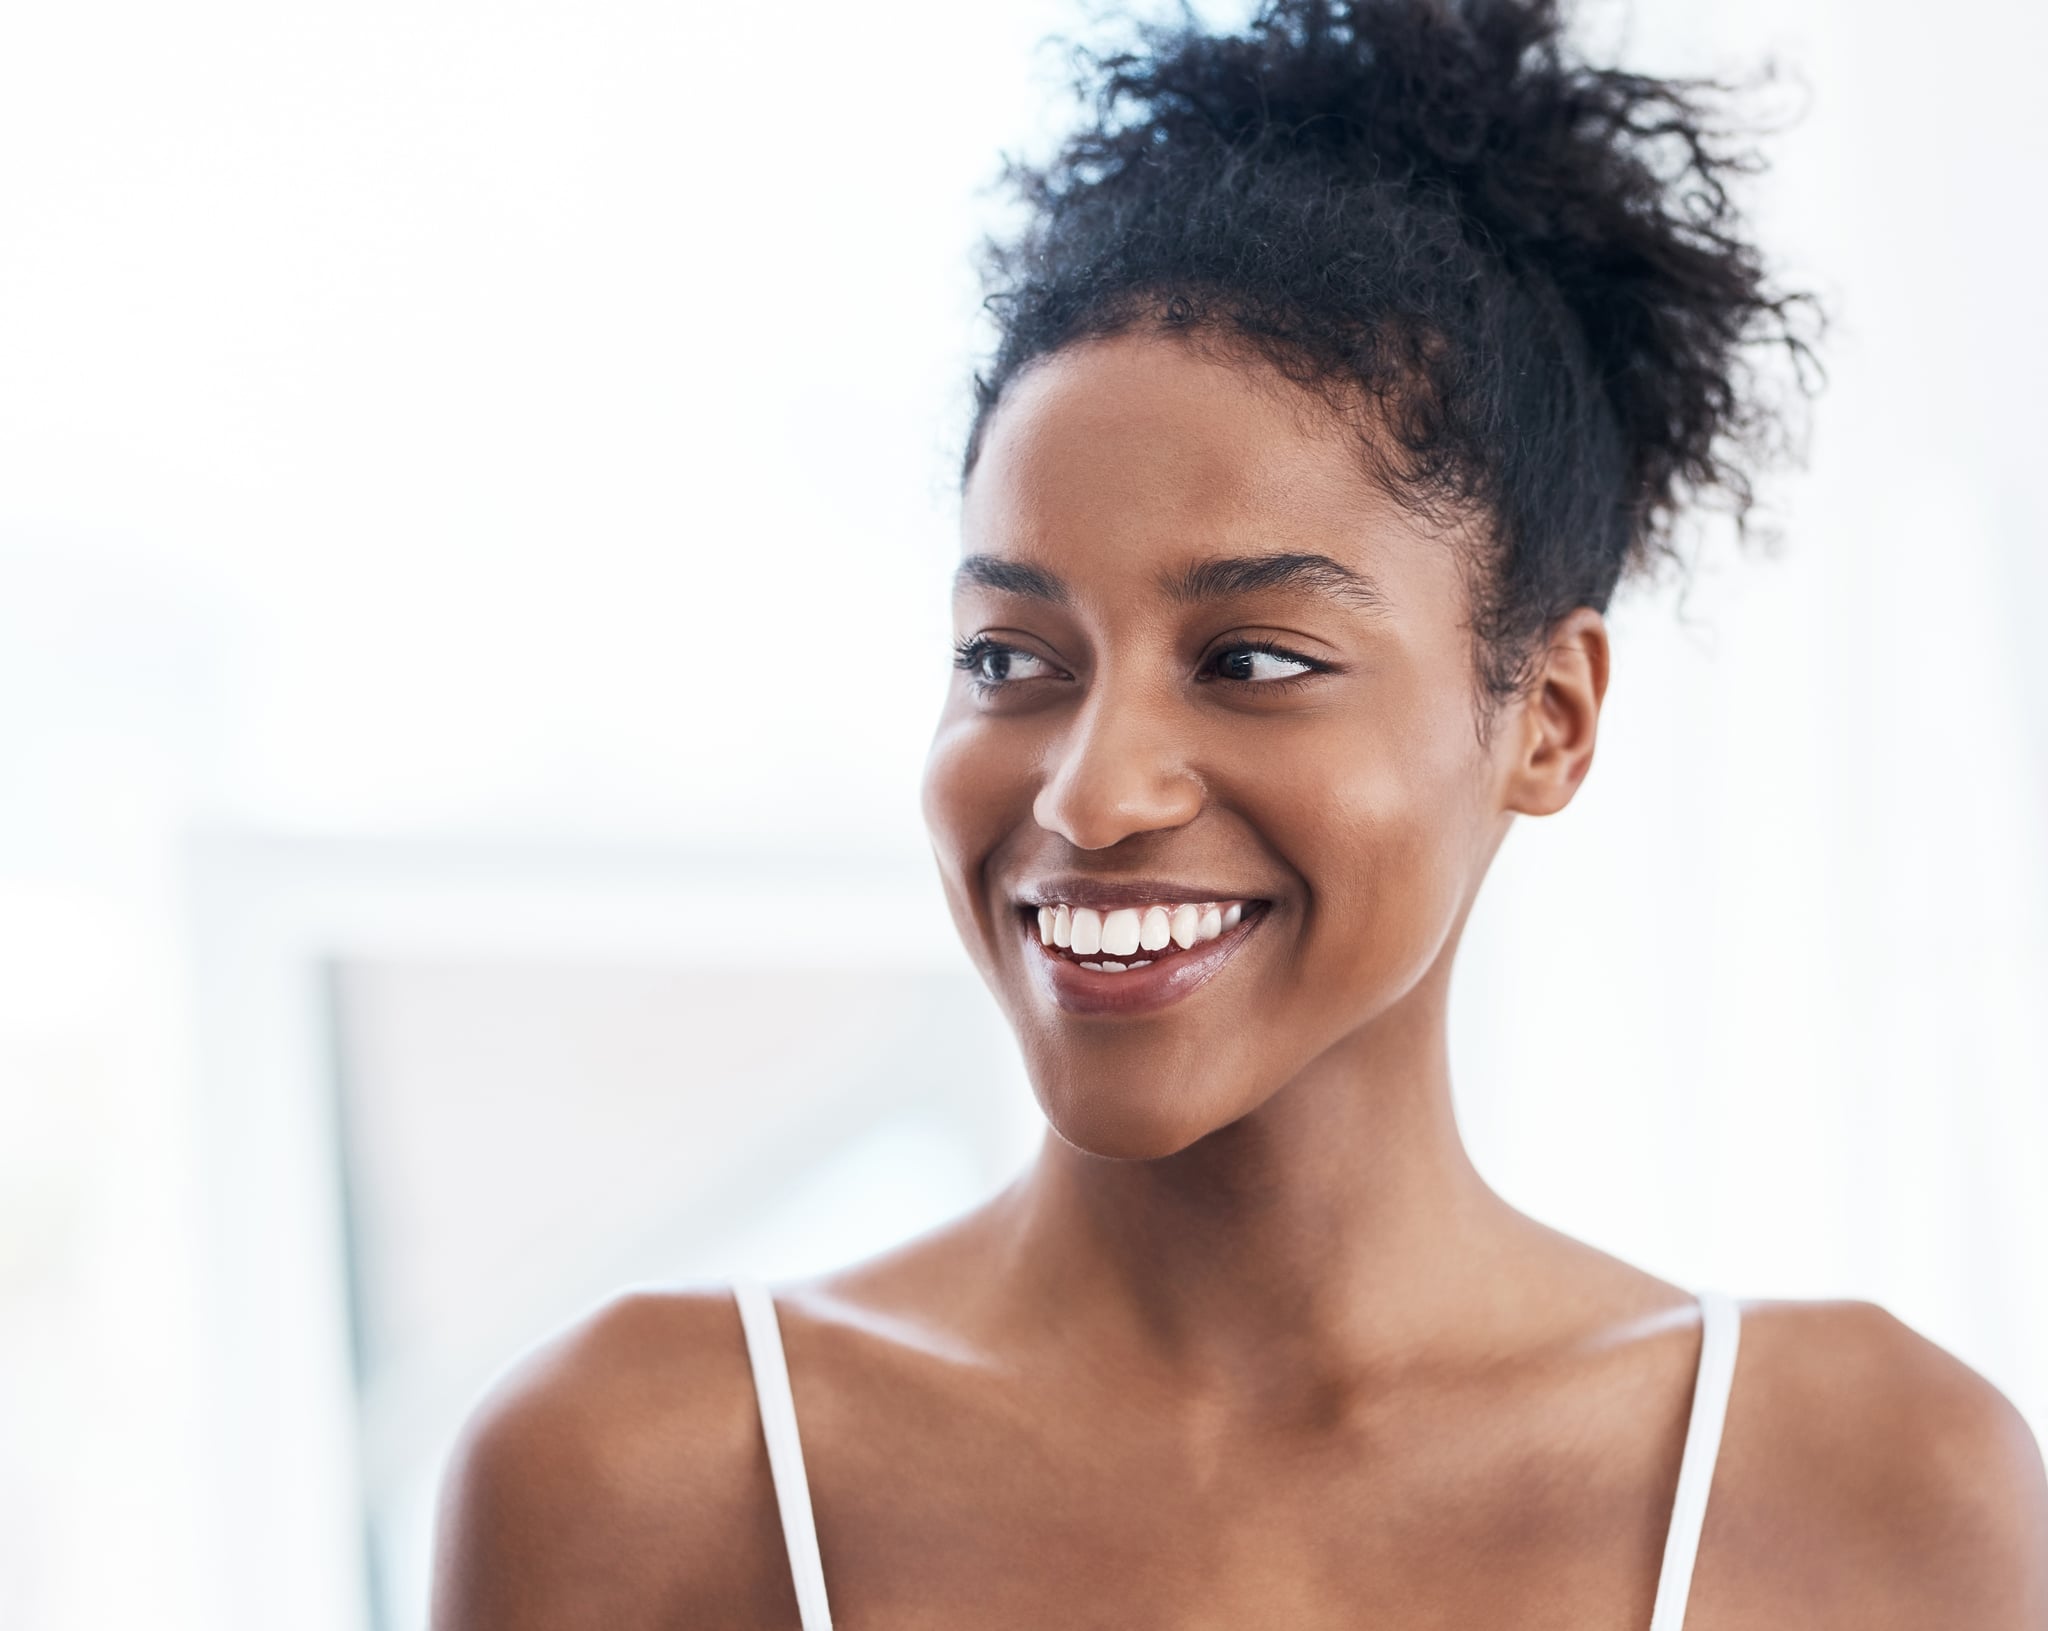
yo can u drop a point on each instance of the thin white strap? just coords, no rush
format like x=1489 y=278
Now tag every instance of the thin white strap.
x=785 y=1454
x=1720 y=1330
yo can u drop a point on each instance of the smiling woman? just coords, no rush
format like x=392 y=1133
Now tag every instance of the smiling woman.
x=1347 y=365
x=1233 y=670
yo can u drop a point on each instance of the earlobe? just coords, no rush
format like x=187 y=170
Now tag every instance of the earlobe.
x=1560 y=715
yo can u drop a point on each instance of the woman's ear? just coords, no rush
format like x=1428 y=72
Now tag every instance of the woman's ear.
x=1559 y=716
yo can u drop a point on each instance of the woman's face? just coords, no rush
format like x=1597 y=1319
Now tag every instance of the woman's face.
x=1212 y=732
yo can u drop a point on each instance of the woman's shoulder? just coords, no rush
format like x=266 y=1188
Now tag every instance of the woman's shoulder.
x=1852 y=1437
x=615 y=1477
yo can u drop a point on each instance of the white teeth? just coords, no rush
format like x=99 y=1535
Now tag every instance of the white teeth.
x=1088 y=931
x=1097 y=967
x=1112 y=968
x=1120 y=932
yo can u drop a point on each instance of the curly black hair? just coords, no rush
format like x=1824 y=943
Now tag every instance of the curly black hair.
x=1530 y=268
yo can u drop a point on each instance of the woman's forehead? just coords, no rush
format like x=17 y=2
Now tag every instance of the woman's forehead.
x=1149 y=407
x=1145 y=452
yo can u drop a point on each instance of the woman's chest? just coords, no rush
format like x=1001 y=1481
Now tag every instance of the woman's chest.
x=1232 y=1575
x=1423 y=1520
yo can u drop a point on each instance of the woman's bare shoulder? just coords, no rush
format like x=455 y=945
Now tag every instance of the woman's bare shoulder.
x=1859 y=1451
x=616 y=1477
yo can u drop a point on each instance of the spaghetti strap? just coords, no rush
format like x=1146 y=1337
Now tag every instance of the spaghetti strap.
x=1720 y=1330
x=785 y=1453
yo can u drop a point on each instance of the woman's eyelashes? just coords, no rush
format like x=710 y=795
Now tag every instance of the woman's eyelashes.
x=1264 y=663
x=992 y=665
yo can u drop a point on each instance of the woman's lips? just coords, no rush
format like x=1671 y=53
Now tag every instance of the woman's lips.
x=1136 y=958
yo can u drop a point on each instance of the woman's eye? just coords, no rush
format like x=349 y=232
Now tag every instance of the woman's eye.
x=1258 y=663
x=989 y=664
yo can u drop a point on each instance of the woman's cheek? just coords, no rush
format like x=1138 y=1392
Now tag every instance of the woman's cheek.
x=1381 y=868
x=970 y=794
x=1420 y=856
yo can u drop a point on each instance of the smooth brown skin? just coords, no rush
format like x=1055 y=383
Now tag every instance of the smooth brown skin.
x=1251 y=1344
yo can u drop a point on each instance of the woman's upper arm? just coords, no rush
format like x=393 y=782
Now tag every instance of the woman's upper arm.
x=609 y=1481
x=1884 y=1467
x=1984 y=1474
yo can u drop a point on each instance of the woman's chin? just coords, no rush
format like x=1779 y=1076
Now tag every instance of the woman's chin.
x=1133 y=1121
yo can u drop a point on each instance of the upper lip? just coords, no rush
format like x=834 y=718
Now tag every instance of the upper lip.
x=1108 y=894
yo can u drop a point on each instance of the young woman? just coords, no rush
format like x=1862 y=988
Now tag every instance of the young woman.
x=1346 y=364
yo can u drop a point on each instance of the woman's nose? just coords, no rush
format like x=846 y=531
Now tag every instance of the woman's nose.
x=1119 y=771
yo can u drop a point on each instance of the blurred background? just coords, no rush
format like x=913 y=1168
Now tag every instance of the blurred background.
x=475 y=502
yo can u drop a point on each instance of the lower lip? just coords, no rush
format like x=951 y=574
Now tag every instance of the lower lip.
x=1081 y=990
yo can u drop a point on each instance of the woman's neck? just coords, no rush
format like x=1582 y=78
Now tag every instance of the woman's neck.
x=1338 y=1227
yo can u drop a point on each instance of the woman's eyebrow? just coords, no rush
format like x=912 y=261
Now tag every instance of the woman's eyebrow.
x=1009 y=577
x=1214 y=579
x=1226 y=575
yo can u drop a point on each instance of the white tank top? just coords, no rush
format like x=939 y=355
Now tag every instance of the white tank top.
x=1720 y=1327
